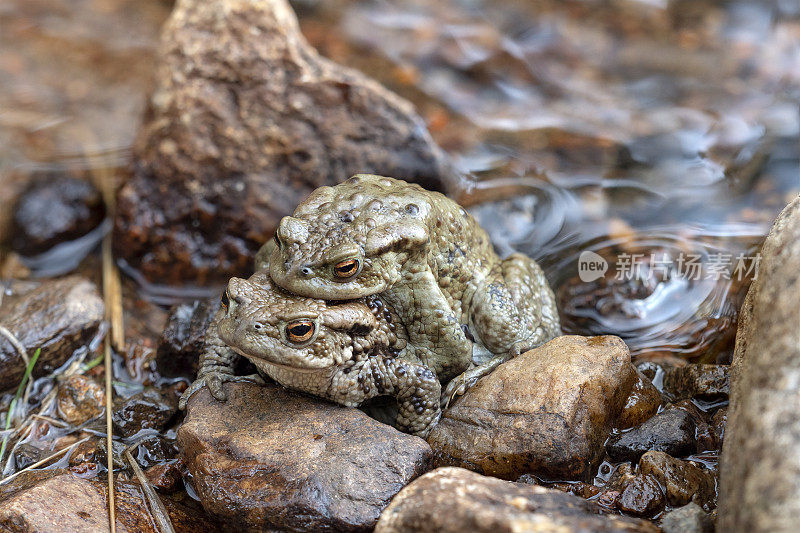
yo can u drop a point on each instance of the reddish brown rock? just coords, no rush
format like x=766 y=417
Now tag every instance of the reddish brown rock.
x=245 y=121
x=547 y=411
x=79 y=399
x=707 y=382
x=642 y=496
x=49 y=500
x=57 y=316
x=454 y=500
x=642 y=403
x=683 y=482
x=269 y=458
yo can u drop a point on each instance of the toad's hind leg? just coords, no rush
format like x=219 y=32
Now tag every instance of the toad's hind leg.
x=512 y=311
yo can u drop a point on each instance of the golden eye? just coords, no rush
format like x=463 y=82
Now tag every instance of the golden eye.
x=300 y=330
x=346 y=269
x=226 y=300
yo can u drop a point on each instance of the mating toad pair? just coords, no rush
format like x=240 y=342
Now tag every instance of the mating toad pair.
x=377 y=287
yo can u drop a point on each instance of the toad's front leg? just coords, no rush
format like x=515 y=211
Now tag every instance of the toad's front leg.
x=414 y=386
x=216 y=367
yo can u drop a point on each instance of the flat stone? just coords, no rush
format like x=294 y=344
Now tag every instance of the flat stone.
x=269 y=458
x=671 y=431
x=58 y=316
x=245 y=121
x=546 y=412
x=455 y=500
x=760 y=464
x=39 y=501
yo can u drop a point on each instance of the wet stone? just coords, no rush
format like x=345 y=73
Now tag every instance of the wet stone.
x=546 y=412
x=245 y=121
x=58 y=316
x=718 y=422
x=642 y=496
x=165 y=476
x=690 y=518
x=148 y=409
x=182 y=341
x=453 y=500
x=27 y=454
x=154 y=449
x=55 y=208
x=671 y=431
x=272 y=459
x=79 y=399
x=36 y=500
x=683 y=482
x=642 y=403
x=706 y=382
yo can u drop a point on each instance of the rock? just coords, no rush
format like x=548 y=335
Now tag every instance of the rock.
x=55 y=208
x=271 y=459
x=547 y=411
x=155 y=449
x=144 y=410
x=456 y=500
x=165 y=476
x=687 y=519
x=671 y=431
x=760 y=464
x=182 y=341
x=707 y=382
x=38 y=501
x=718 y=423
x=245 y=121
x=642 y=496
x=79 y=399
x=57 y=316
x=683 y=482
x=642 y=403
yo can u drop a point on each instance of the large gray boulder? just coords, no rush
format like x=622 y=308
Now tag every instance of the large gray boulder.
x=760 y=468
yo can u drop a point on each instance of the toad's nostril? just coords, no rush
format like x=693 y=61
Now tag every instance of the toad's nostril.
x=258 y=326
x=306 y=271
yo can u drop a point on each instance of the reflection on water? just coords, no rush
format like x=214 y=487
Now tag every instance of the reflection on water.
x=628 y=127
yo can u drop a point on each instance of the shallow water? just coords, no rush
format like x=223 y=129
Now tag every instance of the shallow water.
x=625 y=128
x=662 y=136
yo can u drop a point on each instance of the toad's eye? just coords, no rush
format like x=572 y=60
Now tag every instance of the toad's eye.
x=299 y=330
x=346 y=269
x=226 y=300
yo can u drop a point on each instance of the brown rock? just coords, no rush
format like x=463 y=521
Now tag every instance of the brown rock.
x=643 y=402
x=57 y=316
x=683 y=482
x=182 y=341
x=457 y=500
x=707 y=382
x=643 y=496
x=246 y=120
x=760 y=464
x=269 y=458
x=79 y=399
x=48 y=500
x=547 y=411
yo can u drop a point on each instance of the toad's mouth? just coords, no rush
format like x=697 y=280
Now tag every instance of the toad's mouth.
x=265 y=358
